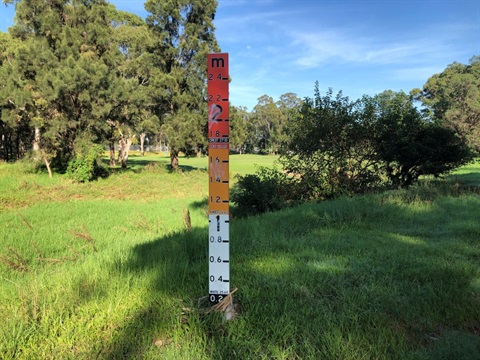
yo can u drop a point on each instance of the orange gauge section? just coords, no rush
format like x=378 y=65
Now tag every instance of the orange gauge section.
x=218 y=180
x=218 y=132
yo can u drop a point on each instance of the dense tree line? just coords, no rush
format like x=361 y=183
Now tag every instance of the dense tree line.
x=450 y=100
x=77 y=73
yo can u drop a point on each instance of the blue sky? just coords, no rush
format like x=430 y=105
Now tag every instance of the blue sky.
x=359 y=47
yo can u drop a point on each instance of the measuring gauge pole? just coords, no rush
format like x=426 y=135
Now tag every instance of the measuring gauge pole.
x=218 y=194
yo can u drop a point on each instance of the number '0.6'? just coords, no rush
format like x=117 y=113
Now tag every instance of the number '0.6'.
x=212 y=259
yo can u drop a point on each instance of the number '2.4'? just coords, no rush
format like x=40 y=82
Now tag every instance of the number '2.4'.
x=218 y=77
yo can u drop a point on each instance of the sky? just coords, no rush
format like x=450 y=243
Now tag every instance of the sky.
x=354 y=46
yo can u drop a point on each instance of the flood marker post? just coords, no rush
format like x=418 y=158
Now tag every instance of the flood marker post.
x=218 y=190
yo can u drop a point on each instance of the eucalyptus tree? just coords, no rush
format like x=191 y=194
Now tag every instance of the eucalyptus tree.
x=289 y=103
x=239 y=118
x=269 y=121
x=183 y=33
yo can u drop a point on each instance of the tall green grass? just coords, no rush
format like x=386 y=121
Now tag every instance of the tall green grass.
x=108 y=270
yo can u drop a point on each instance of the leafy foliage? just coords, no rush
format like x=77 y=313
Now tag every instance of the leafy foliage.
x=63 y=80
x=266 y=190
x=83 y=69
x=452 y=98
x=269 y=122
x=409 y=146
x=183 y=36
x=239 y=120
x=337 y=147
x=86 y=165
x=329 y=148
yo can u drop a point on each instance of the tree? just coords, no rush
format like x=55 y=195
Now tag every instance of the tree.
x=184 y=34
x=148 y=125
x=411 y=146
x=65 y=75
x=289 y=101
x=136 y=115
x=453 y=99
x=289 y=105
x=15 y=130
x=239 y=119
x=269 y=121
x=80 y=77
x=328 y=148
x=335 y=147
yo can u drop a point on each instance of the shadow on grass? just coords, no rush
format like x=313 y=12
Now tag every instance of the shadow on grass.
x=466 y=180
x=137 y=164
x=364 y=277
x=202 y=204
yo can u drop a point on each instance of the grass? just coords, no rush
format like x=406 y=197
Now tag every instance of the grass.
x=108 y=270
x=239 y=164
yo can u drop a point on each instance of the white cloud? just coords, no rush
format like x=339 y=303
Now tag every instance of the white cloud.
x=316 y=49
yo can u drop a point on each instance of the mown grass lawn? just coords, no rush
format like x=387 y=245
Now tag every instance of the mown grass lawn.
x=239 y=164
x=108 y=270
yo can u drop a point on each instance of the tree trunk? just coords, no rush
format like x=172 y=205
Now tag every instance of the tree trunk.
x=36 y=145
x=111 y=146
x=47 y=164
x=125 y=152
x=142 y=142
x=2 y=148
x=173 y=159
x=121 y=147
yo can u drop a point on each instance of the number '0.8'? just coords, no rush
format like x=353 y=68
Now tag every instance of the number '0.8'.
x=219 y=239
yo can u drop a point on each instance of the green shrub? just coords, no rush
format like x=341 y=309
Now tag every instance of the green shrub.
x=266 y=190
x=85 y=167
